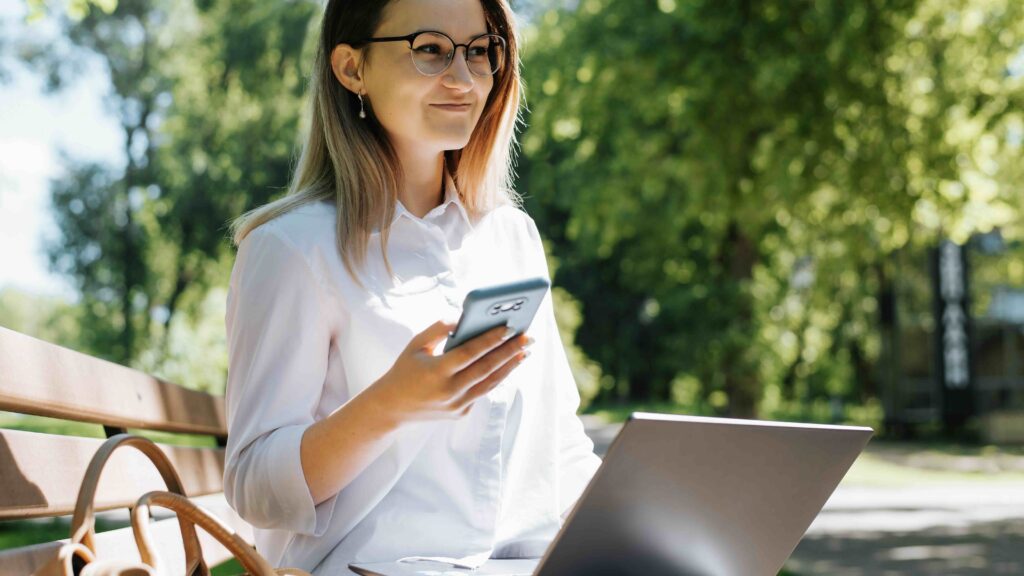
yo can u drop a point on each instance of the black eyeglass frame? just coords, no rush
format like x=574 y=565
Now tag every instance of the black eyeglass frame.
x=411 y=38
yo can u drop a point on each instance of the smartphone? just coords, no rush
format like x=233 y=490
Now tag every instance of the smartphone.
x=512 y=305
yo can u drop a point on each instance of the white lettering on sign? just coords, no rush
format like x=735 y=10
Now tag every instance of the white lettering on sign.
x=954 y=320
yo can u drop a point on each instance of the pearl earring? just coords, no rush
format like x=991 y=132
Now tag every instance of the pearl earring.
x=362 y=112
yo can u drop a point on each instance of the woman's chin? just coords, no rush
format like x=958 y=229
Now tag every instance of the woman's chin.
x=455 y=133
x=451 y=142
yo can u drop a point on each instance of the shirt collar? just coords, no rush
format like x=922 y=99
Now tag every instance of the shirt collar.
x=451 y=196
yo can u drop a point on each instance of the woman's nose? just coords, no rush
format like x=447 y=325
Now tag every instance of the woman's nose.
x=458 y=74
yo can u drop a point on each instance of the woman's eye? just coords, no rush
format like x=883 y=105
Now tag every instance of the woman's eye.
x=429 y=49
x=477 y=52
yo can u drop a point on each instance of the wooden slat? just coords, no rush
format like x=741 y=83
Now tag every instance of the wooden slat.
x=40 y=473
x=120 y=544
x=40 y=378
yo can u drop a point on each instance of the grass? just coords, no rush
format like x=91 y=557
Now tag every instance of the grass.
x=228 y=568
x=621 y=412
x=27 y=532
x=875 y=468
x=894 y=464
x=68 y=428
x=819 y=413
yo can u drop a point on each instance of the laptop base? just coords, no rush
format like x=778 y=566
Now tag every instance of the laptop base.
x=517 y=567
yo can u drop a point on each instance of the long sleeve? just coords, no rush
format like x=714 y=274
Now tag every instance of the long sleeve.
x=278 y=345
x=577 y=461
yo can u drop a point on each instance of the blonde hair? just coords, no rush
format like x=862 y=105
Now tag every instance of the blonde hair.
x=352 y=161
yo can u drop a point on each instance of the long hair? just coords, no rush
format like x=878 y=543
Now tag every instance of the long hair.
x=351 y=160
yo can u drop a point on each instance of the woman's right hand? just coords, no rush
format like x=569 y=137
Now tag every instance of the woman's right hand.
x=424 y=386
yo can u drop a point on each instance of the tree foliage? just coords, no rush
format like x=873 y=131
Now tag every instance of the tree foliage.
x=231 y=128
x=104 y=242
x=208 y=97
x=724 y=181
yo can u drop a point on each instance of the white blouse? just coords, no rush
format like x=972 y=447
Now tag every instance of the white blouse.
x=304 y=338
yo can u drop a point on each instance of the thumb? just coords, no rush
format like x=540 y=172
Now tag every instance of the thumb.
x=432 y=336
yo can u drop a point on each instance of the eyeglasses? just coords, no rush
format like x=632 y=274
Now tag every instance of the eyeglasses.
x=433 y=52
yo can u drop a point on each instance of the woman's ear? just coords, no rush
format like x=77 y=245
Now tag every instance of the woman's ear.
x=345 y=62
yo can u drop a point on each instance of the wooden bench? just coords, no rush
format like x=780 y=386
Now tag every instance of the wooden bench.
x=40 y=473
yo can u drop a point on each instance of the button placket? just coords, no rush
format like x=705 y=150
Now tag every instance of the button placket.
x=448 y=287
x=490 y=467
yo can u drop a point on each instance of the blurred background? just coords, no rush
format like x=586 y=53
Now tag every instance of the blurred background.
x=802 y=210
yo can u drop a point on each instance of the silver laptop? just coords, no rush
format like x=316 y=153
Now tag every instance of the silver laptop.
x=687 y=495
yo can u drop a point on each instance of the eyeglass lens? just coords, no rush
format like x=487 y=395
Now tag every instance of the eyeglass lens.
x=431 y=53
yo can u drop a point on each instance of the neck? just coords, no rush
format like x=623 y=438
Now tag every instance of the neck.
x=421 y=191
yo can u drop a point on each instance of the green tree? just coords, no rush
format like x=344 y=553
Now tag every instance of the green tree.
x=103 y=246
x=209 y=98
x=74 y=9
x=723 y=181
x=229 y=136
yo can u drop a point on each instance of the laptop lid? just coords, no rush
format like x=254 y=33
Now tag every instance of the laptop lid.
x=702 y=496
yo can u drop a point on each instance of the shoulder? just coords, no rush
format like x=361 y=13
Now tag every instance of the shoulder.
x=512 y=220
x=304 y=227
x=306 y=233
x=515 y=231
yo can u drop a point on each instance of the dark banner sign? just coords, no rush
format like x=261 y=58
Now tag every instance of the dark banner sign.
x=953 y=329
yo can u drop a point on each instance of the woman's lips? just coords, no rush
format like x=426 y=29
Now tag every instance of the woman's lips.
x=452 y=107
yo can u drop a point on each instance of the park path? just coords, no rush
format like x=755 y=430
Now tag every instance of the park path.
x=970 y=529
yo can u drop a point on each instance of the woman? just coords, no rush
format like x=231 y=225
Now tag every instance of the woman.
x=351 y=437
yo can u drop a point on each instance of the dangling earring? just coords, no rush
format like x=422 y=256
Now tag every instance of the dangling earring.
x=362 y=112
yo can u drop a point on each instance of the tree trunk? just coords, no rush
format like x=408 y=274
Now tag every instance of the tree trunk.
x=789 y=378
x=640 y=389
x=130 y=281
x=182 y=281
x=741 y=382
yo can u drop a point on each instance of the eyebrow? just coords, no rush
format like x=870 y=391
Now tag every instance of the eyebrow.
x=446 y=33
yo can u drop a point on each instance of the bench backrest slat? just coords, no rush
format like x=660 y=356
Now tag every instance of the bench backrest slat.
x=44 y=379
x=120 y=544
x=40 y=473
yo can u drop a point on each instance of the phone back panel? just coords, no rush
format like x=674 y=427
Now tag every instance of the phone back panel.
x=513 y=305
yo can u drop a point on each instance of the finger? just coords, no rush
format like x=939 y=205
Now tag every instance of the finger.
x=491 y=361
x=487 y=384
x=495 y=378
x=471 y=351
x=432 y=336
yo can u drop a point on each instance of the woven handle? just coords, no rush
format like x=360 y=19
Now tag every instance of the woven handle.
x=83 y=522
x=246 y=555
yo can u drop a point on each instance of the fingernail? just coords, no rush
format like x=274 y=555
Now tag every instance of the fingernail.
x=509 y=332
x=529 y=342
x=526 y=354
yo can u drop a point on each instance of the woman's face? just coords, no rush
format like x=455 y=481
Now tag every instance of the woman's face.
x=406 y=102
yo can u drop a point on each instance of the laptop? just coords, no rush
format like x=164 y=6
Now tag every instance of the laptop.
x=687 y=495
